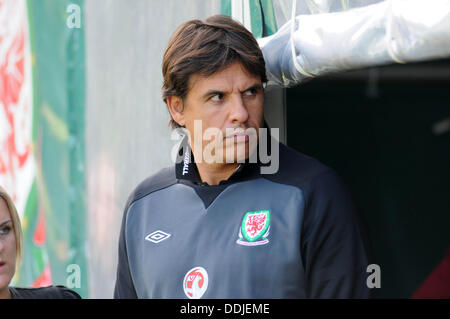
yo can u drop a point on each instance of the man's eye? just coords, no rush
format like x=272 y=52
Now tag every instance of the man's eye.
x=217 y=97
x=250 y=92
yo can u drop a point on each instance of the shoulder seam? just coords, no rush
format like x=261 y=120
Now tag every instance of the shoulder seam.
x=135 y=199
x=143 y=190
x=325 y=170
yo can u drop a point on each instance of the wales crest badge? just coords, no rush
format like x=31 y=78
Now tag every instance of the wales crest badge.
x=254 y=228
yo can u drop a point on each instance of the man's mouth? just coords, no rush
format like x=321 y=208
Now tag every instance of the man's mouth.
x=239 y=136
x=2 y=263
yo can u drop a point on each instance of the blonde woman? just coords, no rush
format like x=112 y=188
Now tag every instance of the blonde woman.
x=10 y=255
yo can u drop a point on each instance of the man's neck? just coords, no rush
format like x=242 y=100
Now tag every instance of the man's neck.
x=214 y=173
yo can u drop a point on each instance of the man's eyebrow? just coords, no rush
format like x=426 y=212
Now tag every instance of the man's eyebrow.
x=255 y=86
x=6 y=222
x=215 y=92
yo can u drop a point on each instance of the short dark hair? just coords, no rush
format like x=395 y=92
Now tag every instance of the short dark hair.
x=205 y=47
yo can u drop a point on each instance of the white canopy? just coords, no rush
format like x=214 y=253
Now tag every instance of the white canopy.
x=332 y=36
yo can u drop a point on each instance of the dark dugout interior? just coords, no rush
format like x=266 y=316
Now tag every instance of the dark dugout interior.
x=386 y=131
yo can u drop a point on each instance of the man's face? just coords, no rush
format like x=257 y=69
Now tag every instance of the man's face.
x=7 y=247
x=230 y=100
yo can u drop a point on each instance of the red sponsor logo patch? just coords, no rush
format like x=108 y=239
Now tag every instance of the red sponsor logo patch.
x=195 y=283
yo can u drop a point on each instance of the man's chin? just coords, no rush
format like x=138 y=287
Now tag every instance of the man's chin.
x=239 y=154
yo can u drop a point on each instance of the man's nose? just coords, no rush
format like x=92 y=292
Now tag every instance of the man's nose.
x=238 y=109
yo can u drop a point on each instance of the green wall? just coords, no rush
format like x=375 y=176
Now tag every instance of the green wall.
x=56 y=206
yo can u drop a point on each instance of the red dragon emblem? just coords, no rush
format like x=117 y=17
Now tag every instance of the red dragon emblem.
x=254 y=228
x=255 y=223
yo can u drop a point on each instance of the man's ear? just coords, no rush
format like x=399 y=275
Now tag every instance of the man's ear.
x=176 y=108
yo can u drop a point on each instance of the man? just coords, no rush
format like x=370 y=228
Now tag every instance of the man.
x=213 y=225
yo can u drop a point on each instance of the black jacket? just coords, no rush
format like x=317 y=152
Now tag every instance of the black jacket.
x=51 y=292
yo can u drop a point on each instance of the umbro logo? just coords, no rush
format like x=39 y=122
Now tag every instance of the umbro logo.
x=157 y=236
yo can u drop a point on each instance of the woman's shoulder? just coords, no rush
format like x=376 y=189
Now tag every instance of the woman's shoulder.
x=50 y=292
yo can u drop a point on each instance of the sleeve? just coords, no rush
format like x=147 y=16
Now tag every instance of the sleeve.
x=67 y=293
x=124 y=288
x=335 y=248
x=49 y=292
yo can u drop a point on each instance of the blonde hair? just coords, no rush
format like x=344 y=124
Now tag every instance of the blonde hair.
x=16 y=223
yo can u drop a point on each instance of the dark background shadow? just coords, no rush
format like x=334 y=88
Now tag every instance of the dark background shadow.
x=386 y=131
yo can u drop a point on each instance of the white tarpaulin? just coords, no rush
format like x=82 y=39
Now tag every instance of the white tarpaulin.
x=326 y=40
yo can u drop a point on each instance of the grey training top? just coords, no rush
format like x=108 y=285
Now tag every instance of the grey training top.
x=292 y=234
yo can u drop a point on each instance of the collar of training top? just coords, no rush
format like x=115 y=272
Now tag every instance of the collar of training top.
x=186 y=169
